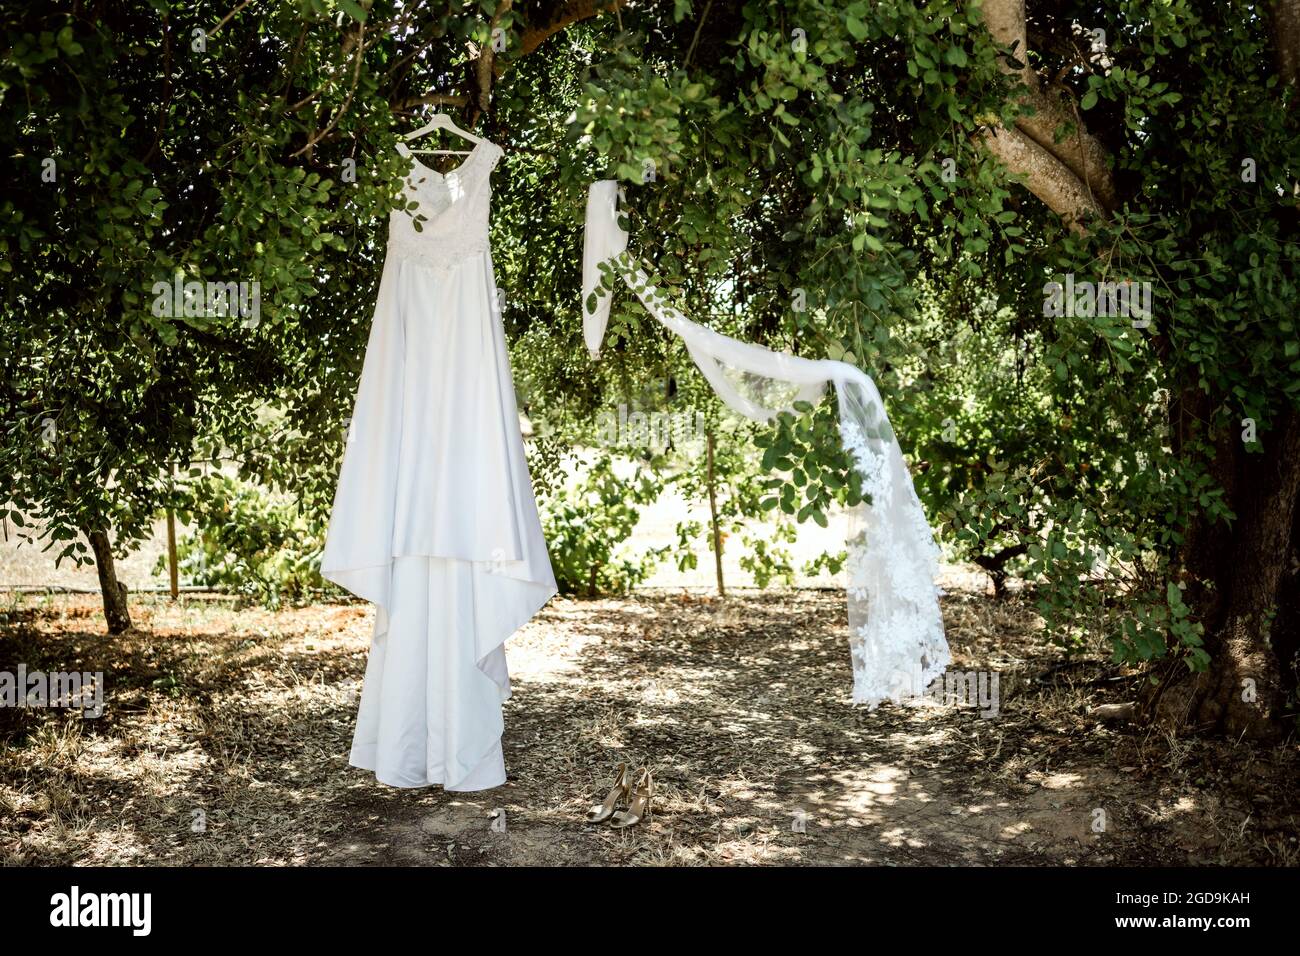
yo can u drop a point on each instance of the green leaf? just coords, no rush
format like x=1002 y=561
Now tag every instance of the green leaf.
x=353 y=9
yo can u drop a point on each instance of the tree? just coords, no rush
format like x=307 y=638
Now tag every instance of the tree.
x=1222 y=242
x=157 y=148
x=860 y=155
x=910 y=187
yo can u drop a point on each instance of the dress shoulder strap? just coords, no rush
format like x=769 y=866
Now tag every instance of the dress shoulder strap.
x=492 y=154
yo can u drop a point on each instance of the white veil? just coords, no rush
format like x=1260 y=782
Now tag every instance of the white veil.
x=895 y=628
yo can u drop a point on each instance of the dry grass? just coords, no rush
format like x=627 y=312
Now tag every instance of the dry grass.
x=241 y=719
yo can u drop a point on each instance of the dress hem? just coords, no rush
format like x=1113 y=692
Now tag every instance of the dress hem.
x=364 y=755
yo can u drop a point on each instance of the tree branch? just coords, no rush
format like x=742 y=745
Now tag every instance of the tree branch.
x=1081 y=152
x=571 y=12
x=485 y=67
x=1073 y=176
x=1045 y=176
x=431 y=99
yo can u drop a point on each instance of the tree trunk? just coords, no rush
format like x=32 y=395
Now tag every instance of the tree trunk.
x=1251 y=612
x=1243 y=579
x=116 y=612
x=1286 y=626
x=713 y=513
x=173 y=573
x=1070 y=174
x=995 y=566
x=1243 y=583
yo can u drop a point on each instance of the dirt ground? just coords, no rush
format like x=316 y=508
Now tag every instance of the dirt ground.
x=226 y=732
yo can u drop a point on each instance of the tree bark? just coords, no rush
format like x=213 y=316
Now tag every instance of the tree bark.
x=1072 y=177
x=116 y=611
x=1286 y=39
x=1244 y=581
x=1045 y=176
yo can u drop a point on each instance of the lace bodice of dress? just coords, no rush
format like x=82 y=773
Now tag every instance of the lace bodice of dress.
x=455 y=207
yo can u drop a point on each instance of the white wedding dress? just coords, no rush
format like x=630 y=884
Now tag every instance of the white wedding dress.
x=434 y=519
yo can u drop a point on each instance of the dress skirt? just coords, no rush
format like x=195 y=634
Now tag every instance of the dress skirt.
x=430 y=709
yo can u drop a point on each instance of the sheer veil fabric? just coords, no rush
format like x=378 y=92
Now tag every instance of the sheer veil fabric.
x=896 y=636
x=434 y=519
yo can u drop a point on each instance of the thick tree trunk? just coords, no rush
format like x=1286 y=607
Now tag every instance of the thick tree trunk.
x=1070 y=174
x=1246 y=578
x=116 y=612
x=1243 y=582
x=1286 y=38
x=1286 y=627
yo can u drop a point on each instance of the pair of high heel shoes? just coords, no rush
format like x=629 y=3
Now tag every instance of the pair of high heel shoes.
x=635 y=798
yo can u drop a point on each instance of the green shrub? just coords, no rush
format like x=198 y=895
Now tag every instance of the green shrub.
x=586 y=526
x=249 y=541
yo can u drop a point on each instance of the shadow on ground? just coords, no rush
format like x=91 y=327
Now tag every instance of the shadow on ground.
x=226 y=732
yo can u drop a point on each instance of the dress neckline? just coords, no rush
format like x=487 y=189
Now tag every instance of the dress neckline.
x=406 y=151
